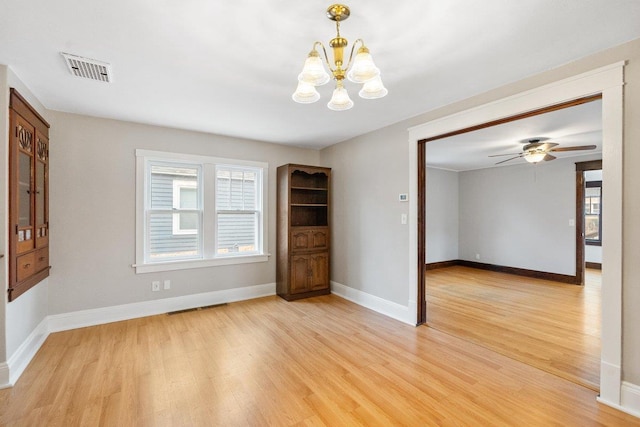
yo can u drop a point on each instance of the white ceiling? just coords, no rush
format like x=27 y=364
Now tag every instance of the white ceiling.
x=575 y=126
x=229 y=67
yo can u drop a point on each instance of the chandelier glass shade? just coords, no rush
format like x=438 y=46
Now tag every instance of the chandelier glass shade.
x=305 y=93
x=359 y=69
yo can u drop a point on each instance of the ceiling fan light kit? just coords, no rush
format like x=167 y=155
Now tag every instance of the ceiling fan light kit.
x=361 y=69
x=535 y=157
x=535 y=150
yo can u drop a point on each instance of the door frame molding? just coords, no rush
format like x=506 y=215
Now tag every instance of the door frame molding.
x=607 y=81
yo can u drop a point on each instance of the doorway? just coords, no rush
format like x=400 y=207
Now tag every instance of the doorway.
x=609 y=82
x=508 y=229
x=592 y=225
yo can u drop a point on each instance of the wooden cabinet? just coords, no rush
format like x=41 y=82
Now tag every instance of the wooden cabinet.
x=303 y=243
x=28 y=196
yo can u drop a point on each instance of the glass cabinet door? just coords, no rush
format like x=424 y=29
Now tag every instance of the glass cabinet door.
x=24 y=190
x=41 y=187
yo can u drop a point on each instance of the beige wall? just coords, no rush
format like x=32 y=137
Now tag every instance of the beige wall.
x=369 y=250
x=388 y=148
x=93 y=211
x=4 y=212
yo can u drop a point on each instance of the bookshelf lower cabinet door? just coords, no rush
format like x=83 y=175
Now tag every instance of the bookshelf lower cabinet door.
x=299 y=274
x=319 y=264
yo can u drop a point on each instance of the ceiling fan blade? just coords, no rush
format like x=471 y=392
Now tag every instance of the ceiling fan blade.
x=547 y=146
x=549 y=157
x=516 y=157
x=575 y=148
x=500 y=155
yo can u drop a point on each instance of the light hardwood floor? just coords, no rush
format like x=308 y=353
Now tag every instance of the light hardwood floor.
x=549 y=325
x=321 y=361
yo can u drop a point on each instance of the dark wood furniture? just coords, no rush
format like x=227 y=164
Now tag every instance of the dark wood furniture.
x=302 y=267
x=28 y=196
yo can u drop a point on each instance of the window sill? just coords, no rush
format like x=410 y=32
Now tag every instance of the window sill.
x=200 y=263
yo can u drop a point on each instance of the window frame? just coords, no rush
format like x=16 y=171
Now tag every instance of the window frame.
x=593 y=242
x=209 y=257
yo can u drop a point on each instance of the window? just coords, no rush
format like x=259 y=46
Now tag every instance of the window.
x=593 y=213
x=173 y=214
x=237 y=212
x=197 y=211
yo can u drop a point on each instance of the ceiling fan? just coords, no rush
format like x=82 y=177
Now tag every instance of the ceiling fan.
x=537 y=149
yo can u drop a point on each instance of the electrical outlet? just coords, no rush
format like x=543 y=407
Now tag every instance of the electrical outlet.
x=477 y=256
x=167 y=284
x=155 y=285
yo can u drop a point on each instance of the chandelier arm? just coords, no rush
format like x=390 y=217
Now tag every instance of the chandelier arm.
x=353 y=48
x=326 y=57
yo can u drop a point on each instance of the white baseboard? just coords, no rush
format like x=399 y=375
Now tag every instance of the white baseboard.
x=382 y=306
x=630 y=398
x=17 y=363
x=610 y=379
x=99 y=316
x=20 y=359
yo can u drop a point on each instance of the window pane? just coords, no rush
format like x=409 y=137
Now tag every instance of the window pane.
x=237 y=233
x=592 y=227
x=164 y=245
x=592 y=192
x=163 y=181
x=236 y=189
x=188 y=221
x=188 y=198
x=249 y=190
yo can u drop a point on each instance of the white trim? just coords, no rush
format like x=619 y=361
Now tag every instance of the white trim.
x=382 y=306
x=630 y=399
x=198 y=263
x=630 y=402
x=609 y=82
x=21 y=358
x=99 y=316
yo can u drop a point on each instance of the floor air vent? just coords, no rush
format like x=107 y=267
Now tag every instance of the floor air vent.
x=196 y=309
x=88 y=68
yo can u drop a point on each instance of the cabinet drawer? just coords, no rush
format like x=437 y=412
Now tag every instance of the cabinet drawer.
x=26 y=266
x=300 y=240
x=319 y=239
x=42 y=259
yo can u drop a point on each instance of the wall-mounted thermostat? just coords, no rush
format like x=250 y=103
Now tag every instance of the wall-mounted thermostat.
x=403 y=197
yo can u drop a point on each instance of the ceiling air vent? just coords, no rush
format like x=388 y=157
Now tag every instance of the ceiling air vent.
x=88 y=68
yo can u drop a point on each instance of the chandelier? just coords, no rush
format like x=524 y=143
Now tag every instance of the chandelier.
x=362 y=70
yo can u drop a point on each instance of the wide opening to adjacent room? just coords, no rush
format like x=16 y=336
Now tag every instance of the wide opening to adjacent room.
x=505 y=263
